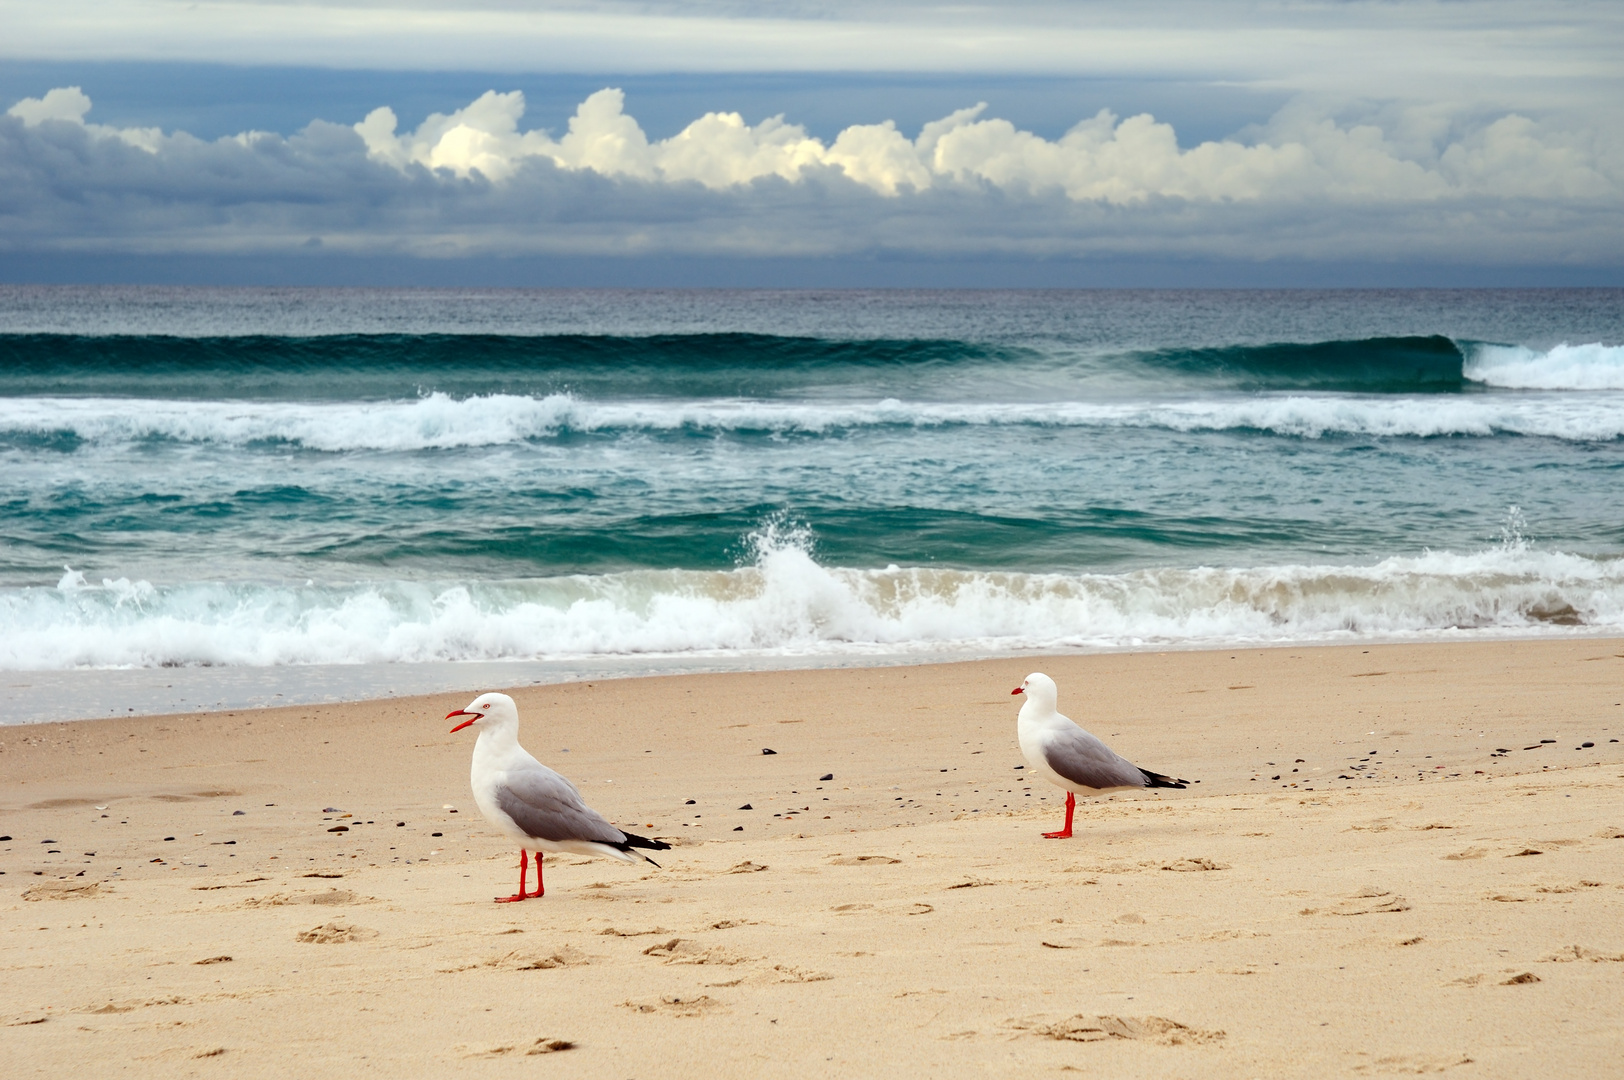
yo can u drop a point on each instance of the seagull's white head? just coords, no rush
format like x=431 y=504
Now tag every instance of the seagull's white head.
x=1040 y=690
x=488 y=711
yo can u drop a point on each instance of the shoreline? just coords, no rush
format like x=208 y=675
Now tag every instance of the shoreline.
x=904 y=916
x=76 y=695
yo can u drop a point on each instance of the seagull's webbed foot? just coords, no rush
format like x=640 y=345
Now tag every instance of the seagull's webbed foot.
x=1071 y=808
x=524 y=867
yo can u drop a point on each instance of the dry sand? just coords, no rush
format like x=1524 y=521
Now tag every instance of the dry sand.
x=1359 y=885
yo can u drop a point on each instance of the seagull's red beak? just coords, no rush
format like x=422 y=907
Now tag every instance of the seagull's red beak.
x=1012 y=692
x=465 y=723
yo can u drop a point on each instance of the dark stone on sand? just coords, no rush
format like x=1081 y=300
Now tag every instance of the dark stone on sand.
x=4 y=838
x=689 y=802
x=738 y=828
x=746 y=806
x=1586 y=746
x=238 y=813
x=166 y=838
x=339 y=828
x=436 y=834
x=827 y=776
x=764 y=750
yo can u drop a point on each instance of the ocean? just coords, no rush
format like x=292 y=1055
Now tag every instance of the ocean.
x=230 y=497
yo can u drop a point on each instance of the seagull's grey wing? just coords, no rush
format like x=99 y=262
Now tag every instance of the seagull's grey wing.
x=547 y=806
x=1085 y=761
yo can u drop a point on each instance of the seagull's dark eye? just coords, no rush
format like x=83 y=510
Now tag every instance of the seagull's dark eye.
x=485 y=706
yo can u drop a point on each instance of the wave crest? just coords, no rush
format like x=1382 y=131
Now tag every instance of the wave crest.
x=1565 y=367
x=440 y=422
x=786 y=603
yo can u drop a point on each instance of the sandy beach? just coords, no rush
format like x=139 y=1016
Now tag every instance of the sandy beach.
x=1399 y=859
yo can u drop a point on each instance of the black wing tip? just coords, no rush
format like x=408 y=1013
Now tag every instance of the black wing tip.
x=1158 y=780
x=633 y=840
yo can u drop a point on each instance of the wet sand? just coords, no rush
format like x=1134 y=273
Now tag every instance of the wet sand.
x=1360 y=884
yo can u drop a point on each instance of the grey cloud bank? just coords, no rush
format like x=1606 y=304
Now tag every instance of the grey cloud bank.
x=1402 y=184
x=1537 y=54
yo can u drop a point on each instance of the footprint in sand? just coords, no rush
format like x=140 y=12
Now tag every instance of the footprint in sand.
x=335 y=934
x=1413 y=1064
x=527 y=960
x=1573 y=953
x=1469 y=853
x=64 y=890
x=130 y=1006
x=687 y=951
x=676 y=1006
x=1151 y=1029
x=789 y=974
x=1189 y=865
x=864 y=860
x=1232 y=935
x=330 y=898
x=1363 y=902
x=747 y=867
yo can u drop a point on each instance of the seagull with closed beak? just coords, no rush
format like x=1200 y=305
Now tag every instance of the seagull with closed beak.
x=1067 y=756
x=538 y=809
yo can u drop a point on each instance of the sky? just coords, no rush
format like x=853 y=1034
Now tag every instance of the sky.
x=1169 y=142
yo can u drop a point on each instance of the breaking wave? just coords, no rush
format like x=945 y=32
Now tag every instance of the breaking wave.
x=440 y=422
x=786 y=603
x=1565 y=367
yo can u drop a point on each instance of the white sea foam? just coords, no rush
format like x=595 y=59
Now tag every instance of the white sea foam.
x=440 y=422
x=787 y=604
x=1566 y=367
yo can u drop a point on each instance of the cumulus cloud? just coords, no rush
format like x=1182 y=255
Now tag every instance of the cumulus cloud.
x=70 y=104
x=1399 y=183
x=1102 y=159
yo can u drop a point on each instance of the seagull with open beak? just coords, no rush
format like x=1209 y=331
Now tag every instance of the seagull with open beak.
x=535 y=807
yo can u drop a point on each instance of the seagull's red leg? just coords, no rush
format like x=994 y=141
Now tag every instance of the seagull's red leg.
x=1071 y=806
x=540 y=888
x=524 y=865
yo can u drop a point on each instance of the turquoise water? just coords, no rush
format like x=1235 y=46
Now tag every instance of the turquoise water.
x=267 y=477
